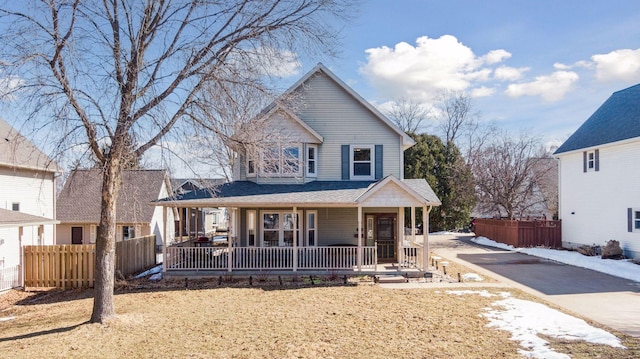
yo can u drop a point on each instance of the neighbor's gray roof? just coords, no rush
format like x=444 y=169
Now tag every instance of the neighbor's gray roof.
x=329 y=193
x=16 y=151
x=18 y=219
x=79 y=201
x=616 y=120
x=199 y=182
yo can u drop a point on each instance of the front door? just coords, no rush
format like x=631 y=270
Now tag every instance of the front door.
x=76 y=235
x=385 y=236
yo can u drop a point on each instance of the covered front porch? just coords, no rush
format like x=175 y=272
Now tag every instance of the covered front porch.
x=348 y=228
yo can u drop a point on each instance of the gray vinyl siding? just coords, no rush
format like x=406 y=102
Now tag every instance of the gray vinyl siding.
x=342 y=120
x=337 y=226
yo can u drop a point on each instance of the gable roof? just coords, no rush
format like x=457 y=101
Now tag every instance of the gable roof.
x=79 y=200
x=407 y=141
x=616 y=120
x=417 y=188
x=316 y=193
x=16 y=151
x=18 y=219
x=278 y=107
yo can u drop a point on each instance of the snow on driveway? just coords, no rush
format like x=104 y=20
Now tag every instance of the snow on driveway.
x=525 y=320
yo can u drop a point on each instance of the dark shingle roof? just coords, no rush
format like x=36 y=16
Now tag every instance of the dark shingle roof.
x=79 y=200
x=311 y=193
x=17 y=151
x=616 y=120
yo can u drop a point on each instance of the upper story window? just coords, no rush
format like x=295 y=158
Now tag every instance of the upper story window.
x=277 y=160
x=312 y=161
x=15 y=206
x=591 y=161
x=362 y=165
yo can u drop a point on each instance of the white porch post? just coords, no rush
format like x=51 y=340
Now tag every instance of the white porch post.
x=230 y=236
x=425 y=234
x=413 y=224
x=359 y=238
x=401 y=223
x=295 y=239
x=164 y=240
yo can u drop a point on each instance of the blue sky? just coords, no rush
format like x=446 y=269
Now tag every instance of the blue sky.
x=539 y=66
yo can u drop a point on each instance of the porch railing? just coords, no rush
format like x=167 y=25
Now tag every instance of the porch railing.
x=9 y=277
x=268 y=258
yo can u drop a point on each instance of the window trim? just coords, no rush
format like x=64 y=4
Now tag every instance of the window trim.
x=281 y=214
x=309 y=160
x=308 y=229
x=633 y=219
x=281 y=148
x=372 y=162
x=251 y=226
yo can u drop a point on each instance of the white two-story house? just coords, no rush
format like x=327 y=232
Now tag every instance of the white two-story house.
x=27 y=201
x=598 y=199
x=330 y=195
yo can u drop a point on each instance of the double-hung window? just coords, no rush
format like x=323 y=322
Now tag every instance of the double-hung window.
x=362 y=164
x=312 y=161
x=591 y=161
x=278 y=228
x=281 y=160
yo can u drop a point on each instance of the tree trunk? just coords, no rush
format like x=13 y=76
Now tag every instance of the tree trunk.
x=103 y=308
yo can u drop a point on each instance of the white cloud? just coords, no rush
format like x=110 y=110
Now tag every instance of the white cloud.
x=551 y=88
x=482 y=92
x=506 y=73
x=496 y=56
x=621 y=64
x=8 y=85
x=432 y=65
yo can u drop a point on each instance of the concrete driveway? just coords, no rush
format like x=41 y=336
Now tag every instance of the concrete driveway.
x=611 y=301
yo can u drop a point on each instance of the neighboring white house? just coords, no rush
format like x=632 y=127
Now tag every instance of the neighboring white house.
x=27 y=200
x=599 y=200
x=79 y=206
x=204 y=221
x=329 y=194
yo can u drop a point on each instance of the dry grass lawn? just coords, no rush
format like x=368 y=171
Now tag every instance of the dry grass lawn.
x=233 y=320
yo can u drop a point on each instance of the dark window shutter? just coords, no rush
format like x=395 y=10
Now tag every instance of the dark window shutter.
x=584 y=161
x=378 y=161
x=345 y=162
x=597 y=160
x=630 y=219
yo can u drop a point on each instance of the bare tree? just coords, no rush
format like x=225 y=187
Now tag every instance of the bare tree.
x=116 y=76
x=509 y=174
x=456 y=109
x=408 y=115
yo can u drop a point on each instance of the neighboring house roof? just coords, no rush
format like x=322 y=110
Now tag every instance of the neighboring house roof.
x=79 y=200
x=318 y=193
x=407 y=141
x=18 y=219
x=616 y=120
x=16 y=151
x=178 y=183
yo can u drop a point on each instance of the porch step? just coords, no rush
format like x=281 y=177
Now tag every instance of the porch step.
x=390 y=279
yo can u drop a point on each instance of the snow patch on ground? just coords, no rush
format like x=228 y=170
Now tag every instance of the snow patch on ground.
x=472 y=277
x=525 y=320
x=618 y=268
x=155 y=270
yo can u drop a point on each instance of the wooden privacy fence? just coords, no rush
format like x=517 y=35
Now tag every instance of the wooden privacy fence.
x=73 y=265
x=521 y=233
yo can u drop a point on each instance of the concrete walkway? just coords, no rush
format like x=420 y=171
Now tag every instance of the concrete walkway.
x=611 y=301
